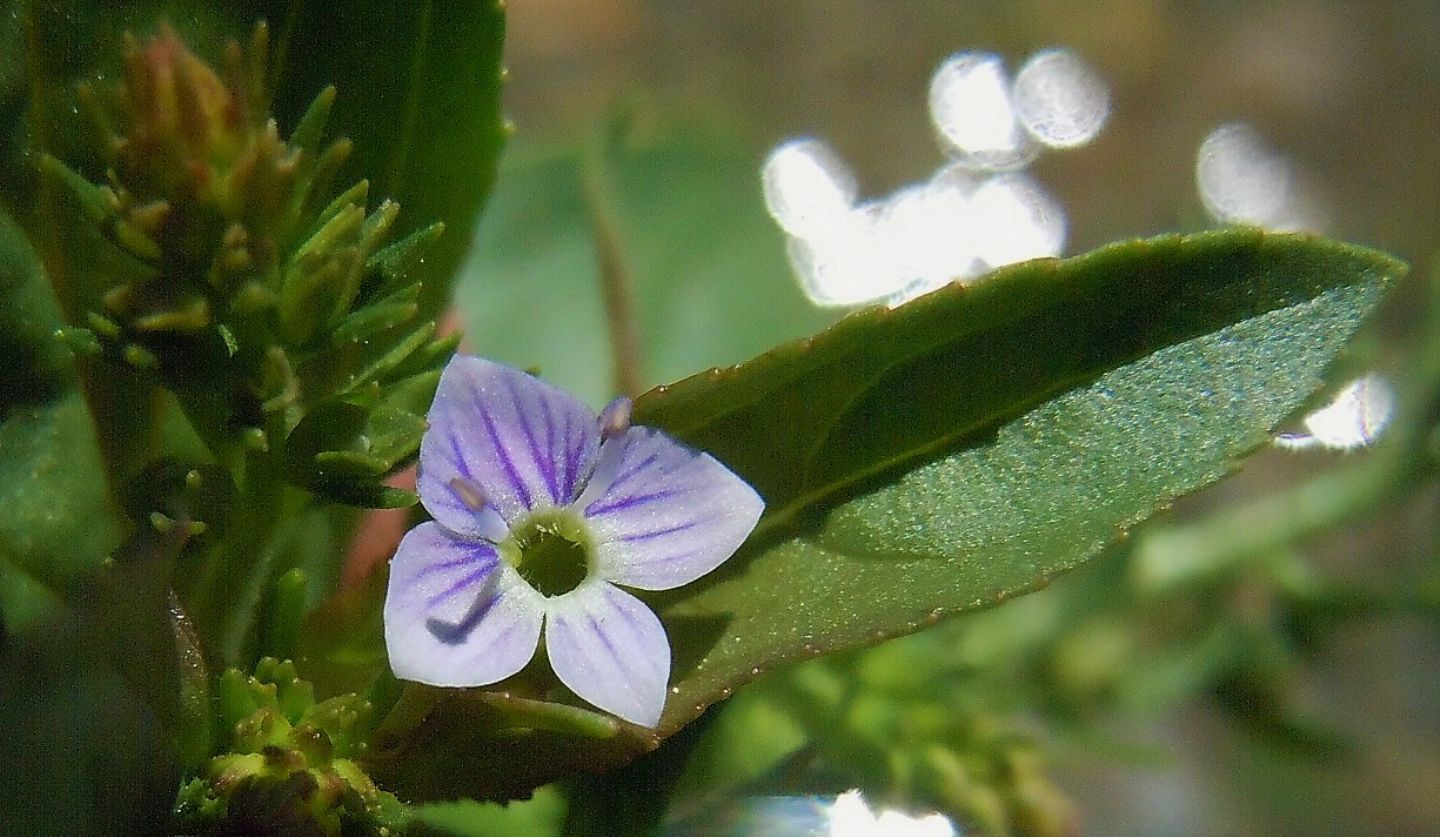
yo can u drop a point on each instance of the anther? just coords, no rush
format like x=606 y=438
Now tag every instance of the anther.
x=469 y=493
x=615 y=418
x=489 y=524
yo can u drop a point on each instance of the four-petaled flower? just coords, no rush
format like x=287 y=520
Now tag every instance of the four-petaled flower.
x=540 y=509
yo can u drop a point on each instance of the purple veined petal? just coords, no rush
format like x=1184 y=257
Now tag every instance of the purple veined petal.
x=670 y=515
x=610 y=649
x=522 y=442
x=455 y=615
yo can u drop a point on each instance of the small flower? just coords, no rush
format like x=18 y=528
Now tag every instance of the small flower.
x=540 y=509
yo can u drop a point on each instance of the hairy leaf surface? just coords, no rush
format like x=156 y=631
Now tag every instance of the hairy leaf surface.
x=954 y=452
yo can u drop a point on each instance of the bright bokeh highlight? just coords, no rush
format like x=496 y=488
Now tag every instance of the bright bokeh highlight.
x=976 y=212
x=850 y=816
x=1356 y=417
x=971 y=108
x=808 y=189
x=1242 y=180
x=1059 y=100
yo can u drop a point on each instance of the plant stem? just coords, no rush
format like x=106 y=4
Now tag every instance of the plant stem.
x=615 y=278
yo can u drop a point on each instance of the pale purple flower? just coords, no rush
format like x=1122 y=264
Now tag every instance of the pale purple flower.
x=540 y=510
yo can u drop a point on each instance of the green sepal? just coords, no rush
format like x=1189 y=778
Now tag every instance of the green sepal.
x=316 y=182
x=334 y=465
x=373 y=318
x=287 y=614
x=332 y=425
x=389 y=364
x=355 y=196
x=371 y=496
x=306 y=136
x=394 y=434
x=395 y=263
x=413 y=394
x=429 y=357
x=81 y=341
x=91 y=198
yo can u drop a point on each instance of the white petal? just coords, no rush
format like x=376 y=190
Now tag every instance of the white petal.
x=454 y=614
x=611 y=650
x=521 y=442
x=671 y=515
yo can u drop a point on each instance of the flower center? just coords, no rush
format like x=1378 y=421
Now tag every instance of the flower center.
x=550 y=551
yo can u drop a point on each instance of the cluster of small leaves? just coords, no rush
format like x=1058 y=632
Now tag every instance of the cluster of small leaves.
x=898 y=721
x=289 y=761
x=272 y=310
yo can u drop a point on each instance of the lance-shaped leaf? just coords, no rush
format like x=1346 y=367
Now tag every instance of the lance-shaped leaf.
x=946 y=455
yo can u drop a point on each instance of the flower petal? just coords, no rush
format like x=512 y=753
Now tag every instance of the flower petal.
x=611 y=650
x=670 y=515
x=523 y=443
x=454 y=614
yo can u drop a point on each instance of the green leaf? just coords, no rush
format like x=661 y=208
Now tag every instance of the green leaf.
x=963 y=449
x=36 y=365
x=58 y=522
x=89 y=690
x=968 y=447
x=90 y=702
x=419 y=94
x=710 y=281
x=542 y=814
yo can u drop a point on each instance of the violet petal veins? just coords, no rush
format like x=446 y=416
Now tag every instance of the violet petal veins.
x=540 y=509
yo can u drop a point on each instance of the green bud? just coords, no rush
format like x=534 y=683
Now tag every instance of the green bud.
x=291 y=761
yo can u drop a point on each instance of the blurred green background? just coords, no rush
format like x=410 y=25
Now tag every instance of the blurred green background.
x=655 y=117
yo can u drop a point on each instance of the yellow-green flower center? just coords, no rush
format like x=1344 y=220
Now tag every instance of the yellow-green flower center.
x=551 y=551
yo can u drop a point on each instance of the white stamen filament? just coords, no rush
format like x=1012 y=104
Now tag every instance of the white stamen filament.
x=607 y=467
x=614 y=423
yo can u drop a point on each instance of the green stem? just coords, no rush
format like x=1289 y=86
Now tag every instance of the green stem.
x=230 y=586
x=615 y=277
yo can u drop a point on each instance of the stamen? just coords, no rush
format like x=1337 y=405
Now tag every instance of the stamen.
x=615 y=418
x=607 y=467
x=491 y=525
x=469 y=493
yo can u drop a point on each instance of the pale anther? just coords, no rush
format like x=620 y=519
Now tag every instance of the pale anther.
x=469 y=493
x=615 y=419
